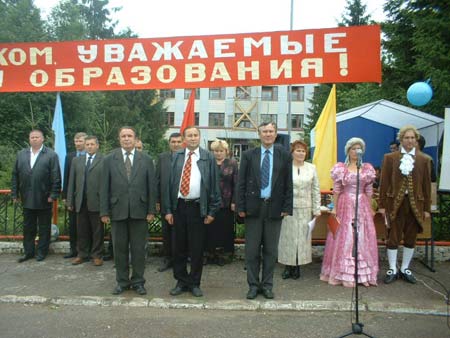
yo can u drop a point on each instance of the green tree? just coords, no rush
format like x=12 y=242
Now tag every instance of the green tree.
x=417 y=48
x=348 y=95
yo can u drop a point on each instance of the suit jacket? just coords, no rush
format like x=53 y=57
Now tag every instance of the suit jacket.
x=209 y=188
x=249 y=183
x=67 y=166
x=76 y=185
x=163 y=174
x=35 y=186
x=391 y=194
x=121 y=199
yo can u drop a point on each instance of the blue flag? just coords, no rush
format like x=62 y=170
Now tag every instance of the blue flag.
x=60 y=137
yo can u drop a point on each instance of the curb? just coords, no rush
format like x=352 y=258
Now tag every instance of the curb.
x=229 y=305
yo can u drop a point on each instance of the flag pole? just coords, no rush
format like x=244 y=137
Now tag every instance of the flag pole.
x=290 y=86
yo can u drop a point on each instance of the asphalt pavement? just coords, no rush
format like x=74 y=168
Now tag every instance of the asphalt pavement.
x=56 y=281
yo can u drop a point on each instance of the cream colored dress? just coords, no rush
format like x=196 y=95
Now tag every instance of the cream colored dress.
x=293 y=243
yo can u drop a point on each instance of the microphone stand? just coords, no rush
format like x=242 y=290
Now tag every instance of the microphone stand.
x=357 y=326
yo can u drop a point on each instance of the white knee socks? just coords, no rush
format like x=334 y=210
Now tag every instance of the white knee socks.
x=392 y=258
x=407 y=256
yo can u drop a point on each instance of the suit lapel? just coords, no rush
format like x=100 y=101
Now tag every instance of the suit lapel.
x=118 y=158
x=257 y=165
x=276 y=165
x=137 y=162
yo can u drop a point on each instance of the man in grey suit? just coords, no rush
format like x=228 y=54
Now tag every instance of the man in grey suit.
x=162 y=177
x=128 y=200
x=36 y=182
x=191 y=201
x=83 y=197
x=264 y=198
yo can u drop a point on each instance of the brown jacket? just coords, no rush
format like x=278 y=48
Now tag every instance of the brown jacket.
x=392 y=187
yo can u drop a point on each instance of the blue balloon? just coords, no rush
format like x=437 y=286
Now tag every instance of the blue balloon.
x=419 y=94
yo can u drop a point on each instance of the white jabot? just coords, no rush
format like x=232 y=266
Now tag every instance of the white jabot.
x=407 y=161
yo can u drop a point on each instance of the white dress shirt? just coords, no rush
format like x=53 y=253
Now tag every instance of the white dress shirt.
x=194 y=185
x=34 y=156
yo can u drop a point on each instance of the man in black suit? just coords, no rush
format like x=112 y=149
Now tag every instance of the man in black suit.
x=264 y=198
x=191 y=201
x=36 y=182
x=79 y=141
x=128 y=200
x=83 y=197
x=162 y=177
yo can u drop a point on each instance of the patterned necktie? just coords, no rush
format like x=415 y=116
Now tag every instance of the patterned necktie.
x=128 y=164
x=265 y=168
x=186 y=179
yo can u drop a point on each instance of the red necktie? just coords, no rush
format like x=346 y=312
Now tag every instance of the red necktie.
x=186 y=179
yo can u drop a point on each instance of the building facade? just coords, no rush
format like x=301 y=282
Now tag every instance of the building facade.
x=233 y=113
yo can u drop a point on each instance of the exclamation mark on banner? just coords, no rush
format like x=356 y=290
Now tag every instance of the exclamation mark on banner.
x=343 y=64
x=1 y=78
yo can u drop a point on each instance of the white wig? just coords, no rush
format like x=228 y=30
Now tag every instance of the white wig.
x=350 y=143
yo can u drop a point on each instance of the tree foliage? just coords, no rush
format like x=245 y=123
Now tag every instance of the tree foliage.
x=98 y=113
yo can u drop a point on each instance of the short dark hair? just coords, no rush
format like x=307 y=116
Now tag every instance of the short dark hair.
x=394 y=142
x=421 y=142
x=91 y=137
x=174 y=135
x=190 y=127
x=127 y=127
x=37 y=131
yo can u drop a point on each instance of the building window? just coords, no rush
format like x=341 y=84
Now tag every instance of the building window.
x=297 y=121
x=216 y=119
x=187 y=93
x=197 y=119
x=167 y=93
x=170 y=118
x=244 y=123
x=217 y=93
x=243 y=93
x=269 y=93
x=268 y=118
x=298 y=93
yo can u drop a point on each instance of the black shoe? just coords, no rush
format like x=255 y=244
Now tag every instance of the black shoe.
x=286 y=273
x=166 y=265
x=140 y=289
x=220 y=261
x=119 y=289
x=196 y=291
x=252 y=293
x=178 y=290
x=390 y=277
x=40 y=258
x=267 y=293
x=408 y=276
x=25 y=258
x=71 y=254
x=295 y=273
x=107 y=257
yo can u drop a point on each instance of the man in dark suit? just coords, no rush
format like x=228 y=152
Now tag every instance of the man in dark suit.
x=162 y=177
x=264 y=198
x=405 y=201
x=36 y=182
x=79 y=141
x=128 y=200
x=83 y=197
x=191 y=201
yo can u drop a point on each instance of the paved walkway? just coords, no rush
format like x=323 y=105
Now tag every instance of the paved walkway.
x=56 y=281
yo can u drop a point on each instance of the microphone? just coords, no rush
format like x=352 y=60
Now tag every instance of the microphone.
x=359 y=152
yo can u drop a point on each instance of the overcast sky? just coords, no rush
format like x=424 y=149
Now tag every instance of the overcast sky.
x=165 y=18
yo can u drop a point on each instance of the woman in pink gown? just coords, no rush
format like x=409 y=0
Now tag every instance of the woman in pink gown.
x=338 y=266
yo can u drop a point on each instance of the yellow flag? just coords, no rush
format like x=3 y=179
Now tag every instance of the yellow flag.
x=325 y=152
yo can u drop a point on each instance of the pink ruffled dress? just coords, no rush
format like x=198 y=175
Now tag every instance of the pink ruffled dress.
x=338 y=266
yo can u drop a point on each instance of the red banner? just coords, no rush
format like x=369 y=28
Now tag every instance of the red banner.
x=343 y=54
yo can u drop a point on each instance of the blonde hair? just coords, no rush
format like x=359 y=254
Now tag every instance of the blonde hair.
x=350 y=143
x=403 y=130
x=218 y=144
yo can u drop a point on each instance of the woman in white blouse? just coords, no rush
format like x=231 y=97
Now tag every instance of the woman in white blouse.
x=294 y=248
